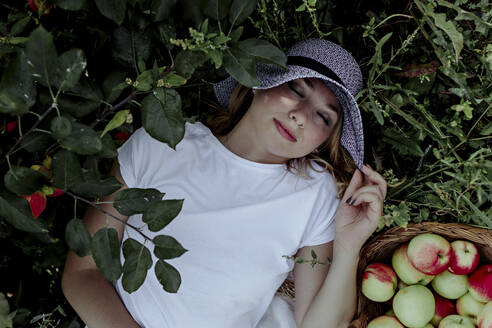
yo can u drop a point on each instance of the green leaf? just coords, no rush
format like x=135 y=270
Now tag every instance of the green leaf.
x=377 y=58
x=130 y=44
x=23 y=180
x=402 y=144
x=20 y=26
x=5 y=318
x=450 y=29
x=168 y=276
x=118 y=119
x=77 y=237
x=111 y=93
x=17 y=212
x=83 y=140
x=67 y=172
x=61 y=126
x=82 y=99
x=162 y=9
x=42 y=56
x=236 y=34
x=166 y=33
x=162 y=117
x=145 y=80
x=137 y=262
x=216 y=9
x=264 y=51
x=160 y=213
x=487 y=130
x=71 y=4
x=36 y=141
x=94 y=186
x=216 y=57
x=241 y=10
x=188 y=61
x=112 y=9
x=241 y=66
x=172 y=80
x=105 y=249
x=166 y=247
x=71 y=64
x=17 y=90
x=132 y=201
x=313 y=254
x=108 y=147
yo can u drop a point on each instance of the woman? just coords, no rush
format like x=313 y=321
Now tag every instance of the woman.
x=254 y=191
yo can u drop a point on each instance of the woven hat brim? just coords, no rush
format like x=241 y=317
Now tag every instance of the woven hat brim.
x=270 y=76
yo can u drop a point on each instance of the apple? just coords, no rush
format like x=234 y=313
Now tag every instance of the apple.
x=379 y=282
x=480 y=283
x=385 y=321
x=464 y=258
x=404 y=269
x=456 y=321
x=401 y=284
x=429 y=253
x=484 y=318
x=449 y=285
x=390 y=313
x=467 y=306
x=444 y=307
x=414 y=306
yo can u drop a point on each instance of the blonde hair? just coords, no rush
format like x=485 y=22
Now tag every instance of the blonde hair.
x=331 y=155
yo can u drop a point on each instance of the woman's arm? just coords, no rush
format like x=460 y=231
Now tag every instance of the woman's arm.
x=92 y=296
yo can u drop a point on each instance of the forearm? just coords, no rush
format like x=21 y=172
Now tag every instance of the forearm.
x=96 y=301
x=334 y=304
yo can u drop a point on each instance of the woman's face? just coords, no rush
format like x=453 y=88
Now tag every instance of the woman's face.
x=292 y=120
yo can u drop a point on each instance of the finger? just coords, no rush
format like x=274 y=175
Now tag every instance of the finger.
x=373 y=189
x=375 y=177
x=375 y=204
x=354 y=184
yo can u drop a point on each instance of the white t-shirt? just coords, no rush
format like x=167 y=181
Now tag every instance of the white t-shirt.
x=238 y=218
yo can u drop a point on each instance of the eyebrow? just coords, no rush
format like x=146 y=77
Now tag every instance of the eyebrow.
x=330 y=106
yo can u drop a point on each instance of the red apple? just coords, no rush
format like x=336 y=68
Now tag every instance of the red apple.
x=467 y=306
x=405 y=270
x=378 y=282
x=385 y=321
x=464 y=257
x=480 y=283
x=444 y=307
x=429 y=253
x=484 y=318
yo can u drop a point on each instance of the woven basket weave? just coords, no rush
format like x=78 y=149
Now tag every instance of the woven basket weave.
x=381 y=249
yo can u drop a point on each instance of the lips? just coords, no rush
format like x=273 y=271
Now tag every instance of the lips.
x=284 y=132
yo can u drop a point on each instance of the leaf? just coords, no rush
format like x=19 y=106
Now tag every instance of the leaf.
x=188 y=61
x=162 y=117
x=111 y=93
x=216 y=9
x=42 y=56
x=94 y=186
x=67 y=172
x=20 y=26
x=17 y=89
x=112 y=9
x=160 y=213
x=105 y=248
x=16 y=211
x=61 y=126
x=83 y=140
x=168 y=276
x=82 y=99
x=241 y=66
x=377 y=58
x=172 y=80
x=108 y=147
x=145 y=80
x=137 y=262
x=402 y=144
x=130 y=44
x=132 y=201
x=71 y=4
x=71 y=64
x=450 y=29
x=23 y=180
x=162 y=9
x=264 y=51
x=36 y=141
x=241 y=10
x=118 y=119
x=166 y=247
x=487 y=130
x=77 y=237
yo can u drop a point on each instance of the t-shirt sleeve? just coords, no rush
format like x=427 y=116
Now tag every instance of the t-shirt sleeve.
x=132 y=157
x=321 y=226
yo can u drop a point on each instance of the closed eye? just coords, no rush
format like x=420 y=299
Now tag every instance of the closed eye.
x=326 y=120
x=293 y=88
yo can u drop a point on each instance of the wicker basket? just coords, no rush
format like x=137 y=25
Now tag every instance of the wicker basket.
x=382 y=246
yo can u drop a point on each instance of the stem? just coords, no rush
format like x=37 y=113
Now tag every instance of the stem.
x=107 y=213
x=114 y=108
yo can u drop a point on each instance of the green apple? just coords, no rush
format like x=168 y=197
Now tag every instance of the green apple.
x=484 y=318
x=456 y=321
x=467 y=306
x=385 y=321
x=404 y=269
x=379 y=282
x=414 y=306
x=449 y=285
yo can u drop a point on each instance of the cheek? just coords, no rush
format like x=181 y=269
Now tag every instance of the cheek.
x=318 y=136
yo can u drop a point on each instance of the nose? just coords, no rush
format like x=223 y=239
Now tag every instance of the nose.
x=298 y=115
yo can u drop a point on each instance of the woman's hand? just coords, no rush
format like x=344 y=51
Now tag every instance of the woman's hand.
x=360 y=209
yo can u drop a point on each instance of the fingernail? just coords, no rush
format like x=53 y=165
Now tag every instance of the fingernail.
x=353 y=201
x=348 y=200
